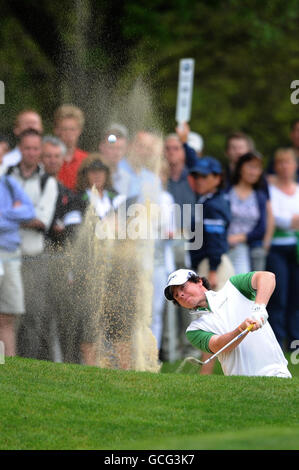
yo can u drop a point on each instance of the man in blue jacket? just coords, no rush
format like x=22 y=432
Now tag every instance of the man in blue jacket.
x=207 y=174
x=15 y=208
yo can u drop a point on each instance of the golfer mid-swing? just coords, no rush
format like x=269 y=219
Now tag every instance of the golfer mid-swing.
x=219 y=317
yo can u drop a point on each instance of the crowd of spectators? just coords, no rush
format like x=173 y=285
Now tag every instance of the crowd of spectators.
x=249 y=220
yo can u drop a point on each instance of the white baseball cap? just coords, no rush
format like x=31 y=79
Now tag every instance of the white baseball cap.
x=118 y=129
x=177 y=278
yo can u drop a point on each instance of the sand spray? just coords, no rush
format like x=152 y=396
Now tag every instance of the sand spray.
x=110 y=279
x=113 y=277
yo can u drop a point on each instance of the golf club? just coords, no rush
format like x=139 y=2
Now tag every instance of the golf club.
x=193 y=360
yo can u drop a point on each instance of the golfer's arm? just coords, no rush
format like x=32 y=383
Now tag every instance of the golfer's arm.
x=218 y=341
x=264 y=284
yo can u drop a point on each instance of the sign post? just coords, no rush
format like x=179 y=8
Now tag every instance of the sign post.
x=185 y=91
x=183 y=114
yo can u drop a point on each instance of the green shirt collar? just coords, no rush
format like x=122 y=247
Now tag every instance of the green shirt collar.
x=203 y=309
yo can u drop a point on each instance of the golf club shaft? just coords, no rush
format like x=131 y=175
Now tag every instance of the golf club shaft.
x=229 y=343
x=198 y=362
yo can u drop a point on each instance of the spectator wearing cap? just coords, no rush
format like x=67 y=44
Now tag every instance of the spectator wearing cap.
x=69 y=123
x=207 y=175
x=209 y=166
x=26 y=119
x=250 y=231
x=114 y=156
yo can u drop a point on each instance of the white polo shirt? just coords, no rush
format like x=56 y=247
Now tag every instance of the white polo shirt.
x=259 y=354
x=44 y=202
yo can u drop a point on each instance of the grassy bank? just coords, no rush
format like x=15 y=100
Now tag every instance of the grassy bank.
x=62 y=406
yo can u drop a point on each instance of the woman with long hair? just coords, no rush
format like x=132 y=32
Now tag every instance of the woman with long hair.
x=94 y=187
x=249 y=232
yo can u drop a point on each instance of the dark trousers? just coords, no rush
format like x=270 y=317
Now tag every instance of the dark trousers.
x=283 y=307
x=61 y=307
x=33 y=331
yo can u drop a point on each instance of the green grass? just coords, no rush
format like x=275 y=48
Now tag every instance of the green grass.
x=63 y=406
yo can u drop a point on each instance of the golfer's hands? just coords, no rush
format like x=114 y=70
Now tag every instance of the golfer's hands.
x=248 y=322
x=259 y=313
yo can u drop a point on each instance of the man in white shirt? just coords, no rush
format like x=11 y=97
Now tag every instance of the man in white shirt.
x=219 y=317
x=42 y=190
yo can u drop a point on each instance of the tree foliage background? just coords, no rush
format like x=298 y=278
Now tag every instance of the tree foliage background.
x=246 y=56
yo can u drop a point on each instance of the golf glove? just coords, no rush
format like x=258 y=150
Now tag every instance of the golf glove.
x=259 y=313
